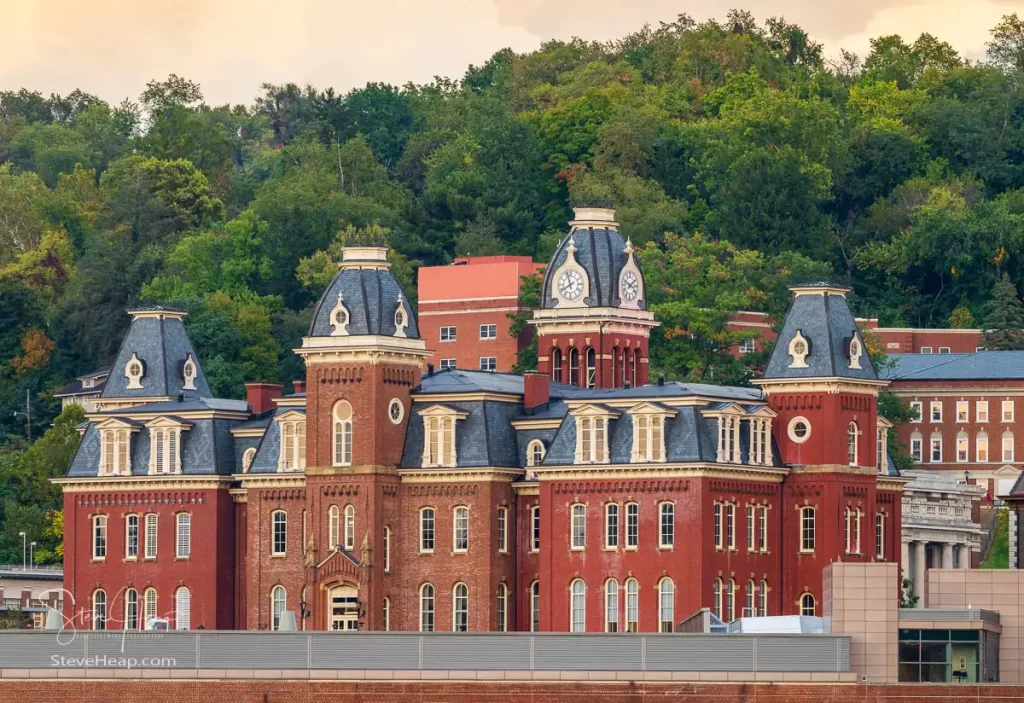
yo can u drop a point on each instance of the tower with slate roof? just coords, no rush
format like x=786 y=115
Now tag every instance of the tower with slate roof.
x=593 y=324
x=821 y=384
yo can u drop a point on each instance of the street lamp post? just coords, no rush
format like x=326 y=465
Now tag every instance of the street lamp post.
x=32 y=553
x=24 y=546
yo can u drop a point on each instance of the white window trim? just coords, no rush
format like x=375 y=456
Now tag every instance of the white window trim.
x=981 y=411
x=433 y=530
x=662 y=544
x=451 y=333
x=455 y=529
x=273 y=534
x=440 y=430
x=100 y=530
x=293 y=442
x=183 y=537
x=932 y=407
x=611 y=537
x=450 y=363
x=632 y=507
x=502 y=528
x=1013 y=411
x=592 y=445
x=574 y=545
x=152 y=522
x=485 y=332
x=534 y=529
x=918 y=407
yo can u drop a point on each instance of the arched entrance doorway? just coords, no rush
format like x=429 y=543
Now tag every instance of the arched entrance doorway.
x=342 y=608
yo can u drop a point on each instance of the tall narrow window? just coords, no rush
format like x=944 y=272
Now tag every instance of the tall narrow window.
x=502 y=608
x=578 y=606
x=961 y=411
x=184 y=536
x=1007 y=447
x=99 y=537
x=427 y=530
x=279 y=533
x=591 y=368
x=1007 y=411
x=99 y=610
x=851 y=442
x=917 y=447
x=293 y=445
x=857 y=515
x=730 y=600
x=439 y=444
x=807 y=605
x=535 y=606
x=666 y=605
x=131 y=537
x=751 y=528
x=556 y=365
x=936 y=448
x=342 y=433
x=961 y=447
x=762 y=534
x=719 y=533
x=750 y=609
x=632 y=525
x=535 y=453
x=461 y=529
x=611 y=525
x=334 y=526
x=611 y=606
x=350 y=527
x=502 y=530
x=648 y=437
x=574 y=367
x=807 y=530
x=387 y=549
x=730 y=525
x=426 y=608
x=590 y=441
x=151 y=521
x=716 y=598
x=131 y=609
x=880 y=536
x=183 y=609
x=668 y=525
x=981 y=447
x=981 y=411
x=762 y=599
x=632 y=605
x=535 y=528
x=278 y=604
x=149 y=599
x=460 y=608
x=848 y=529
x=635 y=367
x=386 y=615
x=579 y=526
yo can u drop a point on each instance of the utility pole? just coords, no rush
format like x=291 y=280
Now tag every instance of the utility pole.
x=28 y=414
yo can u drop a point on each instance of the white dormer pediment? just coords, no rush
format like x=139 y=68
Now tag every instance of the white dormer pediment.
x=134 y=370
x=290 y=416
x=118 y=423
x=728 y=409
x=438 y=410
x=763 y=411
x=631 y=282
x=594 y=410
x=167 y=422
x=881 y=422
x=570 y=284
x=652 y=409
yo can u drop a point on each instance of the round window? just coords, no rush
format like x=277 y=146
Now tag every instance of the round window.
x=799 y=429
x=396 y=411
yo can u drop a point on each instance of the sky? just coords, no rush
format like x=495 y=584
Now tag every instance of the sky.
x=111 y=48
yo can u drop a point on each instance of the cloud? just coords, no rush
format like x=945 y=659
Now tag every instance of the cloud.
x=113 y=47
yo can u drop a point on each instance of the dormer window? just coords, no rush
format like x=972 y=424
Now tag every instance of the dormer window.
x=293 y=442
x=729 y=439
x=439 y=448
x=401 y=318
x=760 y=441
x=592 y=434
x=189 y=370
x=164 y=458
x=115 y=452
x=648 y=432
x=799 y=349
x=339 y=318
x=856 y=350
x=134 y=370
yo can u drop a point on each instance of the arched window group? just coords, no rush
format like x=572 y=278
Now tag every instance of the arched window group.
x=342 y=433
x=579 y=367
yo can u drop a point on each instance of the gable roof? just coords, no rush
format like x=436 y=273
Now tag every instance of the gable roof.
x=976 y=366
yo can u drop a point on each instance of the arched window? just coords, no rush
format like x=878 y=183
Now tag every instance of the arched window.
x=131 y=609
x=99 y=610
x=574 y=367
x=502 y=608
x=807 y=604
x=716 y=598
x=460 y=608
x=730 y=600
x=427 y=608
x=591 y=368
x=762 y=597
x=750 y=609
x=334 y=526
x=460 y=525
x=350 y=527
x=961 y=447
x=182 y=609
x=1007 y=447
x=851 y=443
x=556 y=365
x=183 y=536
x=279 y=533
x=632 y=605
x=535 y=606
x=578 y=606
x=917 y=447
x=278 y=604
x=981 y=447
x=342 y=433
x=247 y=456
x=149 y=599
x=615 y=367
x=611 y=605
x=624 y=366
x=535 y=453
x=807 y=529
x=666 y=605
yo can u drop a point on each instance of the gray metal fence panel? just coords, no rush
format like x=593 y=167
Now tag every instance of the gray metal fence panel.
x=364 y=650
x=254 y=650
x=42 y=652
x=813 y=655
x=476 y=652
x=143 y=650
x=700 y=653
x=585 y=653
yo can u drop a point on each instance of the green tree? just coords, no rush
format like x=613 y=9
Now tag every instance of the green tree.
x=1004 y=317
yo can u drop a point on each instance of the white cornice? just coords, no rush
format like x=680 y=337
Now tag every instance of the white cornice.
x=141 y=483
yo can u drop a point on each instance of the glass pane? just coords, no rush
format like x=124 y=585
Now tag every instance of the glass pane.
x=910 y=652
x=963 y=635
x=910 y=634
x=935 y=635
x=935 y=673
x=934 y=653
x=910 y=673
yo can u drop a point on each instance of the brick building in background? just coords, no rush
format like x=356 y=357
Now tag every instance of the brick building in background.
x=464 y=311
x=578 y=498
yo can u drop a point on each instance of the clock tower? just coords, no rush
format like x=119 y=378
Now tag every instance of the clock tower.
x=593 y=324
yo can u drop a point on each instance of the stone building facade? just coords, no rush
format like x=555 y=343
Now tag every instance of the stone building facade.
x=577 y=498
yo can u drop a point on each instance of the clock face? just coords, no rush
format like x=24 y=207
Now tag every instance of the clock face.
x=570 y=285
x=630 y=286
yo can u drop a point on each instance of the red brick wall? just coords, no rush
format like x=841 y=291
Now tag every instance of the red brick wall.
x=468 y=347
x=208 y=573
x=285 y=691
x=609 y=349
x=829 y=416
x=267 y=571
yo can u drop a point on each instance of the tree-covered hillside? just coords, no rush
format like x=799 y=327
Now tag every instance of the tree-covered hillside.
x=737 y=154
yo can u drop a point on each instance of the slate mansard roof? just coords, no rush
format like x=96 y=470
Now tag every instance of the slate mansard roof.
x=371 y=296
x=821 y=314
x=976 y=366
x=600 y=251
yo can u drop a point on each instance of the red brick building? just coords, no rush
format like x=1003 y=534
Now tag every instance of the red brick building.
x=464 y=311
x=576 y=498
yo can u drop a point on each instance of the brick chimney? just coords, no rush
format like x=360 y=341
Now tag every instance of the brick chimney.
x=300 y=386
x=260 y=396
x=536 y=389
